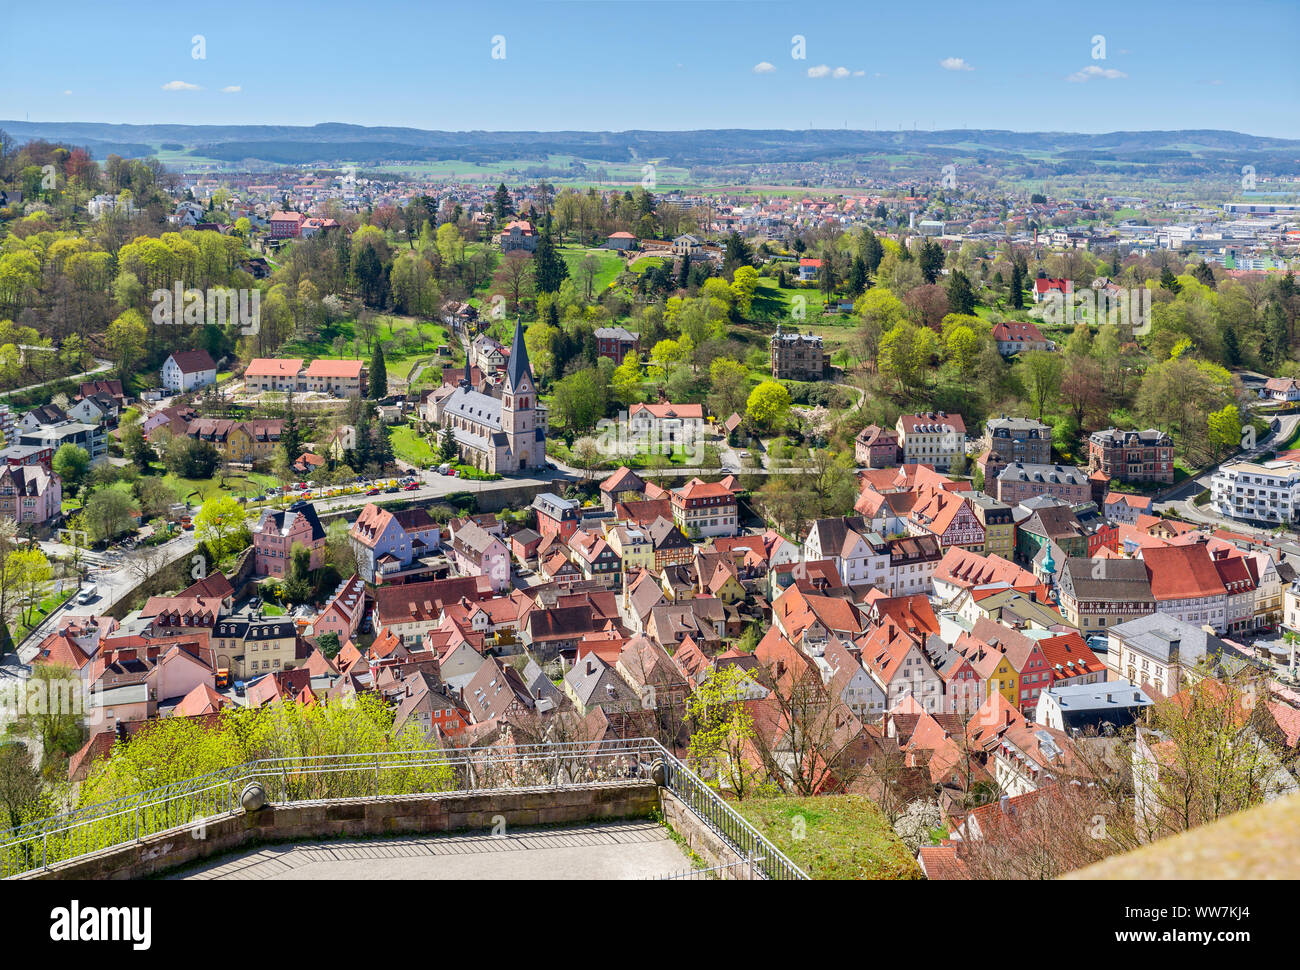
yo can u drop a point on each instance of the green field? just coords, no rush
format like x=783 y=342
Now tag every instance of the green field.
x=412 y=447
x=611 y=265
x=247 y=485
x=832 y=836
x=406 y=342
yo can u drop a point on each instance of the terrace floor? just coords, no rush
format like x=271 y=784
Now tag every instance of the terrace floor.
x=618 y=850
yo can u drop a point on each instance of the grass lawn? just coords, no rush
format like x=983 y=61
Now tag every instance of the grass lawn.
x=248 y=485
x=404 y=342
x=46 y=606
x=611 y=265
x=839 y=837
x=412 y=447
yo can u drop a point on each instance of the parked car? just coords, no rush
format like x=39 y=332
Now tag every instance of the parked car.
x=372 y=491
x=412 y=487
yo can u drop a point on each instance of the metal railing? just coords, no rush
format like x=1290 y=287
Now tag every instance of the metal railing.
x=744 y=869
x=746 y=841
x=195 y=802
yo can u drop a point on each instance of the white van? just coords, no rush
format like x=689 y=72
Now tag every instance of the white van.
x=87 y=595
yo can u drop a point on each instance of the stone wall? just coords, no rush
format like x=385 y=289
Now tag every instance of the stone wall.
x=389 y=815
x=699 y=838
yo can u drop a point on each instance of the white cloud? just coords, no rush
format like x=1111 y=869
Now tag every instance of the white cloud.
x=839 y=73
x=231 y=89
x=764 y=67
x=67 y=92
x=1092 y=71
x=955 y=64
x=180 y=86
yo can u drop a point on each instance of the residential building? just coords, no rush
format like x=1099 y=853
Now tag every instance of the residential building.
x=239 y=442
x=948 y=517
x=188 y=370
x=518 y=234
x=937 y=439
x=278 y=532
x=664 y=427
x=998 y=520
x=555 y=516
x=1162 y=653
x=1019 y=440
x=616 y=342
x=272 y=374
x=30 y=495
x=1015 y=336
x=341 y=378
x=1018 y=482
x=799 y=357
x=1132 y=456
x=1097 y=594
x=91 y=437
x=479 y=553
x=387 y=543
x=248 y=647
x=1254 y=491
x=703 y=509
x=1186 y=585
x=877 y=447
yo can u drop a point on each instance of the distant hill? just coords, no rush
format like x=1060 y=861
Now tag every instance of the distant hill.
x=1186 y=151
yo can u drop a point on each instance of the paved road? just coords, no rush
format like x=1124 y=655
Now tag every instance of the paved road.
x=1179 y=501
x=100 y=367
x=620 y=850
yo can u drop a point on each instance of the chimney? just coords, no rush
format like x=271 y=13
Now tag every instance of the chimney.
x=1004 y=803
x=591 y=668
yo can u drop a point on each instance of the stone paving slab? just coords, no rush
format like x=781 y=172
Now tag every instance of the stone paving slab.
x=619 y=850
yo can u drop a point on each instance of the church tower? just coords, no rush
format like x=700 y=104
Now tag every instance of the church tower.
x=519 y=404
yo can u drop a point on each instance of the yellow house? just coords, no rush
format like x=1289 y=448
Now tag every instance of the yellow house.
x=994 y=669
x=634 y=548
x=726 y=587
x=999 y=528
x=239 y=441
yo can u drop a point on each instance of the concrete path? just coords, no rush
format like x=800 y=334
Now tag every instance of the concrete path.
x=619 y=850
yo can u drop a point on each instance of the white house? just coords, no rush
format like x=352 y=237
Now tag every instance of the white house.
x=187 y=370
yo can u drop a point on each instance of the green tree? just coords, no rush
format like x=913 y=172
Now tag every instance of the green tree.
x=1041 y=372
x=71 y=463
x=126 y=338
x=54 y=709
x=549 y=269
x=768 y=405
x=729 y=387
x=502 y=203
x=108 y=512
x=221 y=524
x=378 y=376
x=722 y=729
x=29 y=572
x=961 y=297
x=905 y=354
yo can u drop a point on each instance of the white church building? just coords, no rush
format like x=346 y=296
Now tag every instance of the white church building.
x=501 y=434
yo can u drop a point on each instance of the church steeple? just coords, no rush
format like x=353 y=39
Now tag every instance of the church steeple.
x=518 y=371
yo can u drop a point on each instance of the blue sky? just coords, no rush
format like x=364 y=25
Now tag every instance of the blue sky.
x=661 y=64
